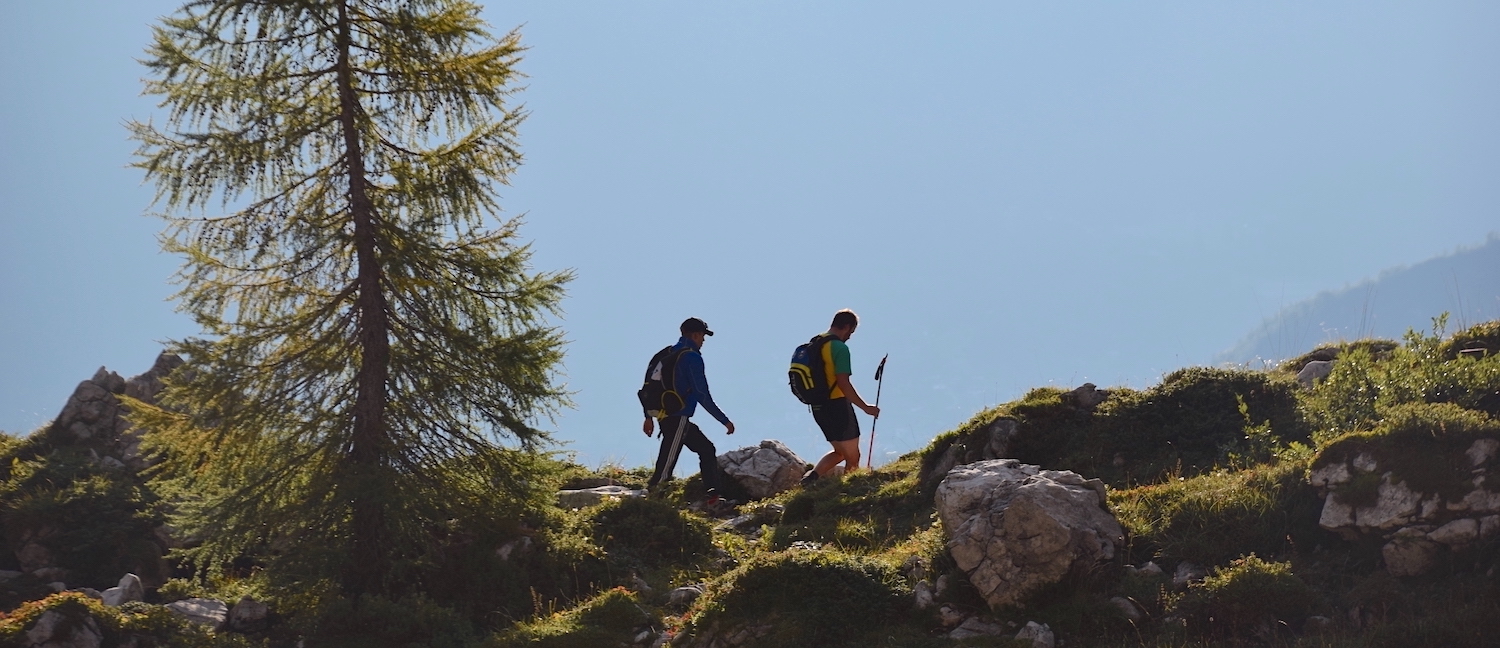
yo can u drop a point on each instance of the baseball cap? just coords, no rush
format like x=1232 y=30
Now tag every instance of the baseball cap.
x=694 y=325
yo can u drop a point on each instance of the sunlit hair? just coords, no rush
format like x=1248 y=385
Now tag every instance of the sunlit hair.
x=844 y=318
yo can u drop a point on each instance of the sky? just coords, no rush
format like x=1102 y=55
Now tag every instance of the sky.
x=1011 y=195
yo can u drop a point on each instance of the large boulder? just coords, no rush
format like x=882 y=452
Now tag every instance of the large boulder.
x=1014 y=528
x=763 y=470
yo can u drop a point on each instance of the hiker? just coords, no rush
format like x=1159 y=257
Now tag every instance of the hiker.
x=836 y=416
x=683 y=364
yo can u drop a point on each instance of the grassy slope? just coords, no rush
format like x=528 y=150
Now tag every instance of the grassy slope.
x=1207 y=467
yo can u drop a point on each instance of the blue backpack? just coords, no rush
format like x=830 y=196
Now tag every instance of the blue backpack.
x=808 y=376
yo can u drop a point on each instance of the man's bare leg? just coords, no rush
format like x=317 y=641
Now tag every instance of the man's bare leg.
x=845 y=451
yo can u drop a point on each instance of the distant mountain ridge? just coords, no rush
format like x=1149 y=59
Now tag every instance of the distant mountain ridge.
x=1464 y=284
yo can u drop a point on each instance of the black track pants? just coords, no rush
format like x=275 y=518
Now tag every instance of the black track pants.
x=678 y=431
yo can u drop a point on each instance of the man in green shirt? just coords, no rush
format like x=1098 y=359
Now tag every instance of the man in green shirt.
x=836 y=417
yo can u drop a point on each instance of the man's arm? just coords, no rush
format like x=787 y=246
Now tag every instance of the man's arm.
x=848 y=388
x=693 y=364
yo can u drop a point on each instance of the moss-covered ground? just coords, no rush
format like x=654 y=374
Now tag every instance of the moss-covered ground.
x=1207 y=467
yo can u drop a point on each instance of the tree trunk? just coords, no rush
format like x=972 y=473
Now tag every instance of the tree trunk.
x=368 y=445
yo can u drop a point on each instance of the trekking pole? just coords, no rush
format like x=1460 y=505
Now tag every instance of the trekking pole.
x=870 y=456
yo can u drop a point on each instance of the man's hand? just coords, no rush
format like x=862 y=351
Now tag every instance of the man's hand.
x=729 y=427
x=871 y=410
x=647 y=426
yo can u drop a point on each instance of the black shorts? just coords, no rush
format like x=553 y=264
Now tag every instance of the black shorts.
x=836 y=419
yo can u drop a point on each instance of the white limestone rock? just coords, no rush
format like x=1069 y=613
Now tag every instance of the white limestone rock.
x=1458 y=532
x=1482 y=451
x=1014 y=528
x=129 y=589
x=202 y=611
x=763 y=470
x=586 y=497
x=1039 y=634
x=976 y=627
x=1314 y=371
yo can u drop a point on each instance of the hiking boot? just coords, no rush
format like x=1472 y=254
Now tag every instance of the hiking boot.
x=809 y=477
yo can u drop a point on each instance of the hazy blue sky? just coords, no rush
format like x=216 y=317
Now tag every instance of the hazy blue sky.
x=1010 y=194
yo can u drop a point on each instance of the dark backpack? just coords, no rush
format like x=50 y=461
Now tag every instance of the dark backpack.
x=658 y=394
x=808 y=376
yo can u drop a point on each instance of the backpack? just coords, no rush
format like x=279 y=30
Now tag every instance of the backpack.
x=658 y=394
x=808 y=376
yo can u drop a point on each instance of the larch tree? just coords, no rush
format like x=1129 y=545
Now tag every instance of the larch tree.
x=377 y=349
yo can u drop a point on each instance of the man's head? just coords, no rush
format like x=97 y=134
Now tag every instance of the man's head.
x=695 y=329
x=844 y=323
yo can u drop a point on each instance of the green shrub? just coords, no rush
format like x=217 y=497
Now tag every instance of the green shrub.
x=805 y=598
x=1211 y=518
x=96 y=523
x=865 y=510
x=1376 y=348
x=131 y=624
x=651 y=532
x=1422 y=445
x=1247 y=594
x=1484 y=336
x=1195 y=420
x=609 y=619
x=374 y=621
x=1363 y=387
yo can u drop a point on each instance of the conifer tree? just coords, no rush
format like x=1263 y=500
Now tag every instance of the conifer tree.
x=376 y=351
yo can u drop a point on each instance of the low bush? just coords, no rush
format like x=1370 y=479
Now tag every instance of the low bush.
x=867 y=510
x=1246 y=595
x=133 y=624
x=612 y=618
x=342 y=622
x=1363 y=387
x=1192 y=422
x=1421 y=444
x=1483 y=337
x=651 y=532
x=804 y=598
x=1211 y=518
x=96 y=522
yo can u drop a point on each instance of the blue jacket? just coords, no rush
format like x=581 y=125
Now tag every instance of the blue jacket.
x=692 y=385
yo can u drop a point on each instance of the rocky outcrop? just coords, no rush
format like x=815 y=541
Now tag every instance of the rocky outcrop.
x=763 y=470
x=989 y=442
x=92 y=423
x=1014 y=528
x=93 y=415
x=1364 y=498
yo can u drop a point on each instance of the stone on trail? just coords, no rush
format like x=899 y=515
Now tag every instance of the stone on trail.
x=763 y=470
x=586 y=497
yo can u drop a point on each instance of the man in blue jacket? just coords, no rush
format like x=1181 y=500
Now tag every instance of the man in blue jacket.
x=676 y=429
